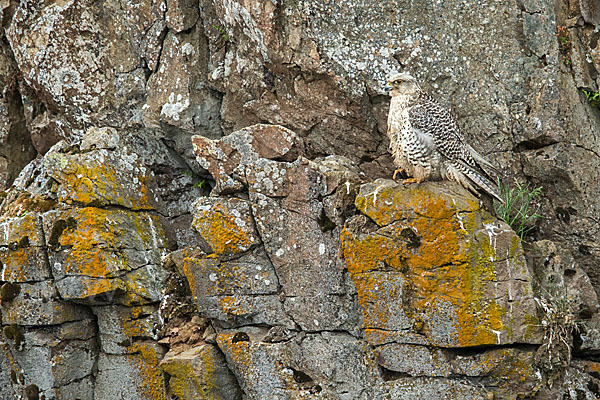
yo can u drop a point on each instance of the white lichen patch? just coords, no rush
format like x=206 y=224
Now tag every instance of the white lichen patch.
x=175 y=106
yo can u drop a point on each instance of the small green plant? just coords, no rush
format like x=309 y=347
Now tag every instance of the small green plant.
x=592 y=97
x=222 y=32
x=198 y=181
x=518 y=209
x=564 y=44
x=200 y=184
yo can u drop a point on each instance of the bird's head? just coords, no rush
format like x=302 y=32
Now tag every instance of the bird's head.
x=402 y=84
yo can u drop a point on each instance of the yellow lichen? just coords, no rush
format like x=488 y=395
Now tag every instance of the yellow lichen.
x=184 y=382
x=239 y=351
x=94 y=240
x=221 y=231
x=89 y=181
x=193 y=376
x=441 y=274
x=232 y=305
x=144 y=358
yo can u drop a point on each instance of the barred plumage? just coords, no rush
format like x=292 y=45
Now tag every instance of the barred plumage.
x=426 y=142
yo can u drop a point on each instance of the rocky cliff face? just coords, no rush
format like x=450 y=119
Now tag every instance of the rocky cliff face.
x=192 y=203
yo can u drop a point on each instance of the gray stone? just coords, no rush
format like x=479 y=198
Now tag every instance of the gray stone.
x=8 y=388
x=58 y=356
x=178 y=94
x=120 y=326
x=181 y=14
x=16 y=149
x=134 y=376
x=243 y=290
x=82 y=389
x=39 y=304
x=226 y=159
x=413 y=360
x=329 y=312
x=97 y=80
x=298 y=368
x=284 y=195
x=432 y=388
x=201 y=372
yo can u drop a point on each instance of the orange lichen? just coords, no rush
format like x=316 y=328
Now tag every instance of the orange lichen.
x=232 y=305
x=221 y=231
x=94 y=240
x=239 y=351
x=441 y=274
x=89 y=181
x=144 y=358
x=16 y=264
x=134 y=324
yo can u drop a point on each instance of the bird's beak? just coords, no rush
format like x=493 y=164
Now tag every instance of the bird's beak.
x=387 y=88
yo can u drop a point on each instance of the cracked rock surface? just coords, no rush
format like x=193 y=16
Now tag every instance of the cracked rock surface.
x=194 y=201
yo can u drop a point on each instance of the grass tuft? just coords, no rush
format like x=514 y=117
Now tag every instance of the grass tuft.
x=560 y=324
x=518 y=209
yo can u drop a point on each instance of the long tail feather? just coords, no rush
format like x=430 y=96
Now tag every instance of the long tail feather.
x=483 y=162
x=478 y=180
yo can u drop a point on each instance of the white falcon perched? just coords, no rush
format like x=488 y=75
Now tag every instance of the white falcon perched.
x=426 y=142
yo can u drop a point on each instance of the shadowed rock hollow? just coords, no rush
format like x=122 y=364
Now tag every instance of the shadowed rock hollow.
x=194 y=202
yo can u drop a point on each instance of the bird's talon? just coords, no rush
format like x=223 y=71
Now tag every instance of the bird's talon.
x=396 y=173
x=409 y=180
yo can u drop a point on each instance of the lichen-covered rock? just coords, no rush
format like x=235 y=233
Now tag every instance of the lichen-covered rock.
x=39 y=304
x=95 y=252
x=226 y=225
x=284 y=193
x=226 y=158
x=438 y=270
x=200 y=373
x=101 y=178
x=135 y=376
x=242 y=290
x=81 y=225
x=120 y=327
x=305 y=367
x=55 y=358
x=178 y=93
x=256 y=268
x=22 y=250
x=423 y=388
x=99 y=78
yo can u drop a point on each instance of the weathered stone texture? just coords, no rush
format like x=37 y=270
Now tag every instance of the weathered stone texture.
x=438 y=270
x=200 y=373
x=198 y=179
